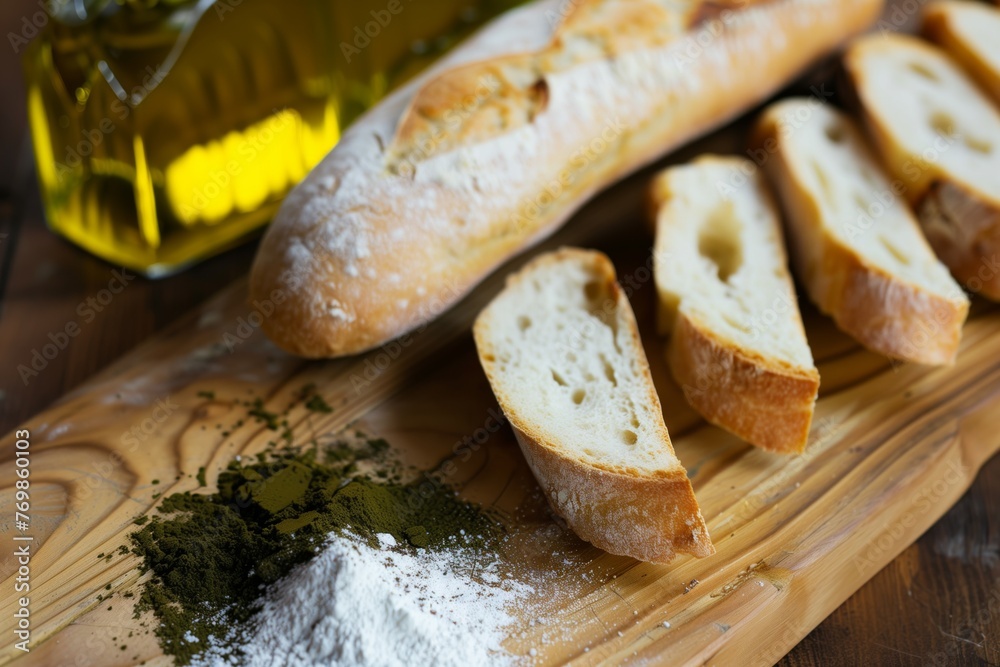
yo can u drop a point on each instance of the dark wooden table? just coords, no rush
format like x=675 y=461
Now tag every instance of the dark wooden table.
x=938 y=603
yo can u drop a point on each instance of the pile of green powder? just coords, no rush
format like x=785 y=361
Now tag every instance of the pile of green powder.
x=212 y=555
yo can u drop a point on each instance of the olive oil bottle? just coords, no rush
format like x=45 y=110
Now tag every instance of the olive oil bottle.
x=168 y=130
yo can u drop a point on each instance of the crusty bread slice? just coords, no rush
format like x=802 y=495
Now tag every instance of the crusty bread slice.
x=969 y=32
x=854 y=243
x=562 y=352
x=939 y=136
x=738 y=348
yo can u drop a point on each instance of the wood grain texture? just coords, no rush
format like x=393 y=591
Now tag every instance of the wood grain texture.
x=936 y=603
x=892 y=448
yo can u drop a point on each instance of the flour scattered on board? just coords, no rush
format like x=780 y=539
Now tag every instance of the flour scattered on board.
x=364 y=607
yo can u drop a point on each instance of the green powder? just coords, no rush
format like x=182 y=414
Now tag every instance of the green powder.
x=317 y=404
x=210 y=554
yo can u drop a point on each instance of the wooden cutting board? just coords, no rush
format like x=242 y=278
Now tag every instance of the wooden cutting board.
x=893 y=446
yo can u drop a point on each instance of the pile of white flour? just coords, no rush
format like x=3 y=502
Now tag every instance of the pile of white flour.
x=356 y=606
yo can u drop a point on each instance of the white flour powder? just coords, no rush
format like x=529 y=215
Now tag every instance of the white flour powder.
x=355 y=606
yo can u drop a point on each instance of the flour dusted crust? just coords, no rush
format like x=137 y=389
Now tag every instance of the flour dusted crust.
x=649 y=518
x=493 y=149
x=650 y=514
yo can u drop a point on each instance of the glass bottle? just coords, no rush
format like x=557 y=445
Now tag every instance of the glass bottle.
x=168 y=130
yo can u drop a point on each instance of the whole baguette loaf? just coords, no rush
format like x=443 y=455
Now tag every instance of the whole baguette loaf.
x=737 y=346
x=562 y=353
x=492 y=150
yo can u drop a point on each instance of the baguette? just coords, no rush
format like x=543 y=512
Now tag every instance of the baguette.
x=562 y=352
x=968 y=32
x=855 y=244
x=490 y=152
x=939 y=137
x=738 y=348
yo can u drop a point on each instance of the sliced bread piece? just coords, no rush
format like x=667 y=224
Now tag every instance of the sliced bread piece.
x=853 y=241
x=970 y=33
x=562 y=352
x=939 y=137
x=738 y=348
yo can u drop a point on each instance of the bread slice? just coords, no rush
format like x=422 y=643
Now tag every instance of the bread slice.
x=738 y=348
x=561 y=350
x=854 y=243
x=939 y=136
x=968 y=31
